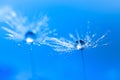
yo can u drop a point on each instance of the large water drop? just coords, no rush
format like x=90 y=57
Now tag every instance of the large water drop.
x=30 y=37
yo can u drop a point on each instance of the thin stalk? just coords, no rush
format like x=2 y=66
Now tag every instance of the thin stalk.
x=83 y=65
x=32 y=62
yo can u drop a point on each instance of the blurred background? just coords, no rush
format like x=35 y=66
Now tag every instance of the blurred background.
x=66 y=16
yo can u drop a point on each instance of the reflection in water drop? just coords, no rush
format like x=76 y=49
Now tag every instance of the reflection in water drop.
x=30 y=37
x=80 y=44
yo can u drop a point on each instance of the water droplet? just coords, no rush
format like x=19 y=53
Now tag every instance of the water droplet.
x=30 y=37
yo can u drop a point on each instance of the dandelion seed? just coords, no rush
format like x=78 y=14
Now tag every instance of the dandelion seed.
x=88 y=41
x=19 y=29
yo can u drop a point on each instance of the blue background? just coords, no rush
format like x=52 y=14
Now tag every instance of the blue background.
x=102 y=63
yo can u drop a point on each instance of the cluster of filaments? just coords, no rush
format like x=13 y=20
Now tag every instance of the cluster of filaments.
x=38 y=33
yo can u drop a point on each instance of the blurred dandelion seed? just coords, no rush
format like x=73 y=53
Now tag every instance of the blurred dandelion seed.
x=19 y=29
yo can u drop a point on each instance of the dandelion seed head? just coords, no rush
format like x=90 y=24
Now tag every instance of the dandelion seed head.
x=88 y=41
x=21 y=30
